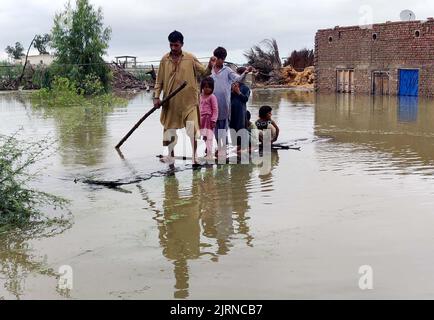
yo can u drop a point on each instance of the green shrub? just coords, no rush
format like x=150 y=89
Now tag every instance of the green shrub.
x=141 y=75
x=92 y=85
x=19 y=204
x=42 y=77
x=64 y=92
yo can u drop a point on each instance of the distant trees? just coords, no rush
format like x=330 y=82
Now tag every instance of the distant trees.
x=80 y=41
x=15 y=52
x=41 y=42
x=265 y=58
x=301 y=59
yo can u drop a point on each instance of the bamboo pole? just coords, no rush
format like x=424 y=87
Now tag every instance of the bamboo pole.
x=25 y=63
x=165 y=100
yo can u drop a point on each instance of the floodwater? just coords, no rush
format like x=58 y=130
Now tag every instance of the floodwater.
x=359 y=193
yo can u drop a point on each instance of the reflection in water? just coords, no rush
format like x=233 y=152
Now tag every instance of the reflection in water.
x=276 y=97
x=180 y=230
x=266 y=175
x=8 y=99
x=17 y=262
x=205 y=219
x=407 y=108
x=212 y=202
x=81 y=132
x=398 y=129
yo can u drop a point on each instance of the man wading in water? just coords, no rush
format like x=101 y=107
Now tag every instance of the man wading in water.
x=182 y=111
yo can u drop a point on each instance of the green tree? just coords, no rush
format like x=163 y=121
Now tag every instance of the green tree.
x=15 y=52
x=41 y=42
x=80 y=41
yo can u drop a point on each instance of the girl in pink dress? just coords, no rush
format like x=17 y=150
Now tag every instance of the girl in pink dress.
x=208 y=114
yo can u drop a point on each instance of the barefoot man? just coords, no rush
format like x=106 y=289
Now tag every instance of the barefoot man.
x=182 y=111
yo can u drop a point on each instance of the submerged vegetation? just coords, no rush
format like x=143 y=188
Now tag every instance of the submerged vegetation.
x=64 y=92
x=20 y=205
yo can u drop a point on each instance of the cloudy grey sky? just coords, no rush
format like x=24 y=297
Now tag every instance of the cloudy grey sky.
x=140 y=27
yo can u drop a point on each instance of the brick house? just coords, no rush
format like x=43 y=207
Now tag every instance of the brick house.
x=395 y=58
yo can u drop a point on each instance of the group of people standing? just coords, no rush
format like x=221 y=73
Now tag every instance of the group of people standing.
x=223 y=102
x=222 y=99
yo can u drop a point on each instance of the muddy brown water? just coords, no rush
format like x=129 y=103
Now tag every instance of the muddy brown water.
x=359 y=193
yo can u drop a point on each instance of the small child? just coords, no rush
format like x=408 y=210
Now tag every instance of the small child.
x=239 y=98
x=208 y=114
x=266 y=122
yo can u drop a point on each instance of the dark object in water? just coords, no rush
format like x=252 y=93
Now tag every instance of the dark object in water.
x=160 y=156
x=197 y=166
x=115 y=184
x=110 y=184
x=278 y=146
x=281 y=146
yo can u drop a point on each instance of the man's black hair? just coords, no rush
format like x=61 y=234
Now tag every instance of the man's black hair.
x=220 y=53
x=207 y=81
x=176 y=36
x=264 y=110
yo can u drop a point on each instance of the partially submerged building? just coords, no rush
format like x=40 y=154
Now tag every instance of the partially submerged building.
x=395 y=58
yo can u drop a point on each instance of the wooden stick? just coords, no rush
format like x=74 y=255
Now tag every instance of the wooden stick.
x=165 y=100
x=25 y=63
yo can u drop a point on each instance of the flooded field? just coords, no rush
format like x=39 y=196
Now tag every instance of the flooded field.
x=360 y=192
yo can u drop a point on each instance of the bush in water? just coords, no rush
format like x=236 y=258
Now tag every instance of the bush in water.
x=21 y=205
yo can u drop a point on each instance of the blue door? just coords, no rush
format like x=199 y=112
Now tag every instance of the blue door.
x=408 y=82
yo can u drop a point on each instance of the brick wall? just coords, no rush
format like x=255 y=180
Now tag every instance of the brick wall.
x=396 y=47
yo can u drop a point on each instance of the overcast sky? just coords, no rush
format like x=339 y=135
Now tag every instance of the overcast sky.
x=140 y=27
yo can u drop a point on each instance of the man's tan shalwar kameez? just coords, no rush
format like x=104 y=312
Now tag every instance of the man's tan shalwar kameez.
x=184 y=107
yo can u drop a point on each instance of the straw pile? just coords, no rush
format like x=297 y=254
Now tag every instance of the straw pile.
x=304 y=78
